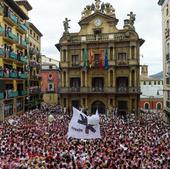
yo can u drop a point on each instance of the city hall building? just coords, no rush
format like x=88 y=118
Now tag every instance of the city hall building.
x=100 y=64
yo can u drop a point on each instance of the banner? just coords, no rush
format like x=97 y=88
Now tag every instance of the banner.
x=106 y=63
x=85 y=59
x=84 y=127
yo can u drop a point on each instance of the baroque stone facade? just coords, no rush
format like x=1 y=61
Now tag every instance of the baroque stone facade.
x=100 y=63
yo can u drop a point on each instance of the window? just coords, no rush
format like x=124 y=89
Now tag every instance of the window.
x=168 y=95
x=50 y=67
x=64 y=55
x=144 y=82
x=122 y=56
x=30 y=31
x=159 y=106
x=75 y=60
x=133 y=52
x=111 y=53
x=167 y=9
x=34 y=35
x=37 y=37
x=167 y=80
x=150 y=82
x=146 y=106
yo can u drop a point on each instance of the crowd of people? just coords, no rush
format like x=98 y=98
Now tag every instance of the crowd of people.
x=32 y=142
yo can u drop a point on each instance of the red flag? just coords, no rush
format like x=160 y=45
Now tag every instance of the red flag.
x=91 y=58
x=100 y=60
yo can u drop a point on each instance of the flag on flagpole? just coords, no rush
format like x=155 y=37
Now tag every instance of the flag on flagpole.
x=100 y=60
x=91 y=58
x=106 y=63
x=85 y=58
x=84 y=127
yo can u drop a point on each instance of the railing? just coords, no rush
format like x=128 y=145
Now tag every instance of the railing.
x=1 y=95
x=23 y=75
x=24 y=59
x=2 y=30
x=102 y=37
x=23 y=93
x=13 y=55
x=1 y=52
x=23 y=26
x=125 y=90
x=23 y=43
x=12 y=36
x=13 y=75
x=1 y=74
x=34 y=90
x=13 y=17
x=11 y=94
x=1 y=10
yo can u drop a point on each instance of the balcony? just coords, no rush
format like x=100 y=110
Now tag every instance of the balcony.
x=24 y=59
x=13 y=55
x=122 y=62
x=12 y=36
x=1 y=52
x=34 y=90
x=23 y=27
x=13 y=75
x=1 y=74
x=93 y=90
x=23 y=43
x=1 y=95
x=13 y=17
x=1 y=10
x=102 y=37
x=22 y=93
x=11 y=94
x=23 y=75
x=2 y=30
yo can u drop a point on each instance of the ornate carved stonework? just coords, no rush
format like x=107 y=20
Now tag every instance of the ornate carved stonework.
x=105 y=8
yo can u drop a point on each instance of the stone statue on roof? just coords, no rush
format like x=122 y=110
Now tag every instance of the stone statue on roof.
x=97 y=4
x=66 y=25
x=132 y=18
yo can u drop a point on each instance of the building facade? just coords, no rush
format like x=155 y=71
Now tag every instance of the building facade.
x=100 y=65
x=165 y=7
x=13 y=57
x=35 y=96
x=50 y=80
x=151 y=99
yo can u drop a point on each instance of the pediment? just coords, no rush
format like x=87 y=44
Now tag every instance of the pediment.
x=98 y=15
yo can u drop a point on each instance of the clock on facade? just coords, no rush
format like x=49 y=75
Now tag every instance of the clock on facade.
x=97 y=22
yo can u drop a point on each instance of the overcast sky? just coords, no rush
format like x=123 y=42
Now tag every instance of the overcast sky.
x=48 y=16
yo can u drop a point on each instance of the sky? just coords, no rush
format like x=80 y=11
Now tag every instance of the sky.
x=48 y=17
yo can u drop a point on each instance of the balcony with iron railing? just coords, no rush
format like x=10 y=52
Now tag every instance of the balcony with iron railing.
x=1 y=95
x=23 y=75
x=11 y=94
x=2 y=31
x=22 y=92
x=106 y=90
x=23 y=59
x=1 y=52
x=23 y=43
x=13 y=55
x=1 y=10
x=34 y=90
x=12 y=36
x=23 y=26
x=101 y=37
x=13 y=75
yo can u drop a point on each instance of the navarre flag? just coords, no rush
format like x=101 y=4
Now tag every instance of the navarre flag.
x=82 y=126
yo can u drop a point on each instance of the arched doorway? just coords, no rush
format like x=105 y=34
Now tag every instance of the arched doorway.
x=98 y=105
